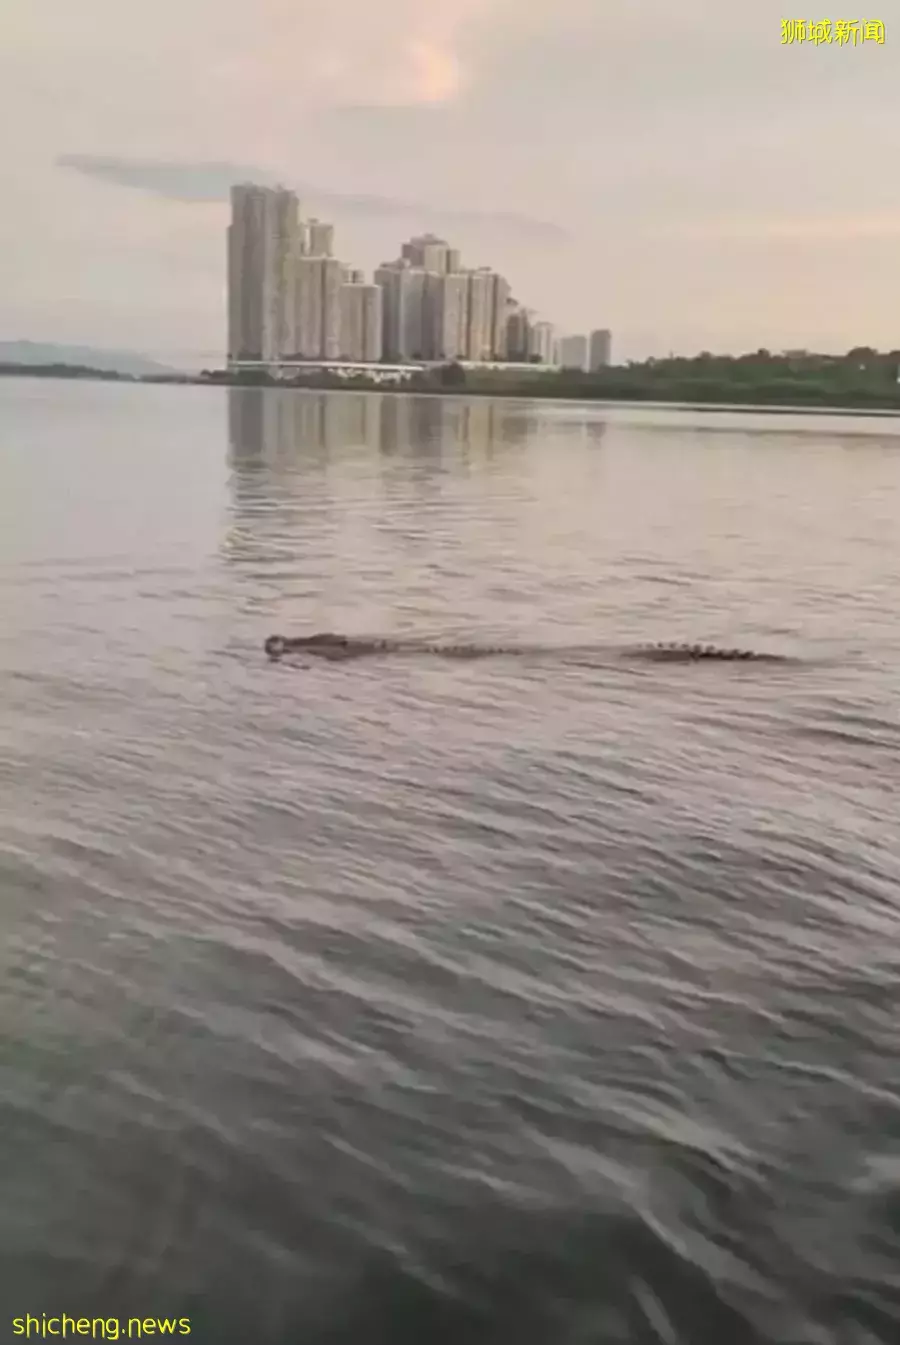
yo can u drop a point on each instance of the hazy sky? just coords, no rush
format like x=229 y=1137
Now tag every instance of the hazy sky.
x=666 y=168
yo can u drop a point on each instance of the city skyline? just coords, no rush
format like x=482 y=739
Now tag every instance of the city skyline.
x=289 y=298
x=629 y=162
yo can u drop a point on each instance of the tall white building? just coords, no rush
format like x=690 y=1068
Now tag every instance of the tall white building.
x=287 y=248
x=263 y=244
x=428 y=252
x=518 y=333
x=319 y=238
x=388 y=276
x=332 y=282
x=573 y=352
x=414 y=327
x=600 y=349
x=414 y=309
x=317 y=307
x=447 y=315
x=542 y=342
x=501 y=307
x=288 y=296
x=480 y=323
x=361 y=322
x=403 y=310
x=308 y=307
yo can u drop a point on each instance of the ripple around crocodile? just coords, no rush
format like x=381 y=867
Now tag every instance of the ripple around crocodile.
x=331 y=646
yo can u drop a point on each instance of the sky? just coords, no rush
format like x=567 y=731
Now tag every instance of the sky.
x=669 y=169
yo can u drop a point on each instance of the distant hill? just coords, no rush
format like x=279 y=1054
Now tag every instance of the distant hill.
x=41 y=352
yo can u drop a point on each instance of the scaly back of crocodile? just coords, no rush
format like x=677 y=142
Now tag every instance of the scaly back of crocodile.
x=694 y=653
x=328 y=645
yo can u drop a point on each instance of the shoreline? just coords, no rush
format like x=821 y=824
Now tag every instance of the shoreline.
x=536 y=394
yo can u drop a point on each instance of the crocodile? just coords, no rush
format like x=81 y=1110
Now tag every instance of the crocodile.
x=327 y=645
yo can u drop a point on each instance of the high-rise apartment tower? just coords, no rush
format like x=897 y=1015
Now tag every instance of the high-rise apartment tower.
x=263 y=243
x=361 y=322
x=573 y=352
x=600 y=349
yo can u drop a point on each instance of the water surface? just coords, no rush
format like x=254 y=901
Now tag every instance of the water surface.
x=406 y=1000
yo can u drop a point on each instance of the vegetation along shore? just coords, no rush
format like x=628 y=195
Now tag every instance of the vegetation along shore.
x=861 y=380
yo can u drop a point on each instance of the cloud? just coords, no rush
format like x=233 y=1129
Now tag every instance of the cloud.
x=201 y=182
x=802 y=229
x=176 y=181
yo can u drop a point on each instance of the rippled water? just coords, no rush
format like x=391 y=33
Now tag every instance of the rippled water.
x=407 y=1001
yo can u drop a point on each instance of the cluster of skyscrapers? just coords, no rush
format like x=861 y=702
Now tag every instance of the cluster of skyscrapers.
x=290 y=299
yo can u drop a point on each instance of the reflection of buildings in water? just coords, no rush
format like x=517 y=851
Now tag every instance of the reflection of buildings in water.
x=291 y=450
x=474 y=428
x=594 y=430
x=277 y=466
x=266 y=428
x=419 y=446
x=415 y=427
x=285 y=431
x=291 y=454
x=313 y=472
x=437 y=437
x=535 y=421
x=454 y=430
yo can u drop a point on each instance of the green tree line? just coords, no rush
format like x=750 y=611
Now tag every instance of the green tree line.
x=862 y=378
